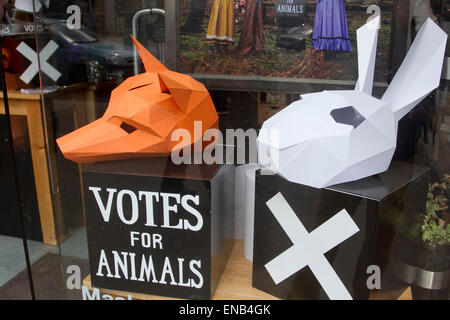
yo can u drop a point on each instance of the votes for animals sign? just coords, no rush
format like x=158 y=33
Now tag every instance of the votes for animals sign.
x=149 y=234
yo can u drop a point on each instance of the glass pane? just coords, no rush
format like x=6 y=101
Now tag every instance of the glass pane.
x=14 y=280
x=257 y=59
x=19 y=213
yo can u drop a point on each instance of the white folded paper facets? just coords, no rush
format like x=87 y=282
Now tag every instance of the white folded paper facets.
x=333 y=137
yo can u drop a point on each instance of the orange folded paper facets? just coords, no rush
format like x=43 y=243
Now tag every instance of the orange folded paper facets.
x=142 y=114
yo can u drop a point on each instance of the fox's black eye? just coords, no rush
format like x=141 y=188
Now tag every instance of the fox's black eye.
x=141 y=86
x=128 y=128
x=348 y=115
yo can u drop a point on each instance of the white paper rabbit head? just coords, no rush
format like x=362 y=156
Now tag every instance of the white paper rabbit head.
x=332 y=137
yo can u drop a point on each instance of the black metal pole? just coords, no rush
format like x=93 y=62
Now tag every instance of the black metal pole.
x=14 y=171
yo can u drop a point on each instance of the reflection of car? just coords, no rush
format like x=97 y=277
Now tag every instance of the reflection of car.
x=79 y=47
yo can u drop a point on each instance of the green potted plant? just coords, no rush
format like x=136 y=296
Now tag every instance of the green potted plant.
x=433 y=260
x=436 y=227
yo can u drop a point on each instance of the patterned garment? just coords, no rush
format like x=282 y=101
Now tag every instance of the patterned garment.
x=252 y=36
x=221 y=22
x=330 y=26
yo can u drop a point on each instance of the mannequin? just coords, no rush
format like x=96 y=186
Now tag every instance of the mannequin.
x=194 y=20
x=252 y=36
x=330 y=26
x=221 y=23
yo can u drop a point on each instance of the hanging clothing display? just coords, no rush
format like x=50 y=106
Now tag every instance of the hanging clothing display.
x=221 y=22
x=252 y=36
x=330 y=26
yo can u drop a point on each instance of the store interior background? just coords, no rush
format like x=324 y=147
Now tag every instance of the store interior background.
x=242 y=102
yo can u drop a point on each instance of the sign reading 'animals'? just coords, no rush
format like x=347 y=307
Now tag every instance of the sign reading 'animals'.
x=148 y=235
x=290 y=7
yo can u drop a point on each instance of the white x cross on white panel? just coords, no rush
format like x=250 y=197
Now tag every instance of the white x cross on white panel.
x=309 y=248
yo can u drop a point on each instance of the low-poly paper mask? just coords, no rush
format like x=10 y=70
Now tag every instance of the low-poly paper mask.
x=143 y=113
x=332 y=137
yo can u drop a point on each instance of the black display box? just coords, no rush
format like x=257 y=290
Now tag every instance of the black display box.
x=158 y=228
x=377 y=205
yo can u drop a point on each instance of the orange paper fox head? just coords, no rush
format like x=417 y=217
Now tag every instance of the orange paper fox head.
x=142 y=114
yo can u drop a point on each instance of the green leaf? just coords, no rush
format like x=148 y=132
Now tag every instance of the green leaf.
x=424 y=237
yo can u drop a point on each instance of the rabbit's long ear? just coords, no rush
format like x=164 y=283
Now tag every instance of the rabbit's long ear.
x=151 y=64
x=420 y=72
x=367 y=37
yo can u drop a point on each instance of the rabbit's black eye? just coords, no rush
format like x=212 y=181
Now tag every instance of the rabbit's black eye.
x=348 y=115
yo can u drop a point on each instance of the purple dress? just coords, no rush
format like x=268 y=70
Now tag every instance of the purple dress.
x=330 y=26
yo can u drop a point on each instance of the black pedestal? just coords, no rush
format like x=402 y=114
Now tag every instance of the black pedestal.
x=376 y=204
x=157 y=228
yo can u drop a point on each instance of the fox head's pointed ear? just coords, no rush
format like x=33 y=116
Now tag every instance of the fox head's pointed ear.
x=151 y=64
